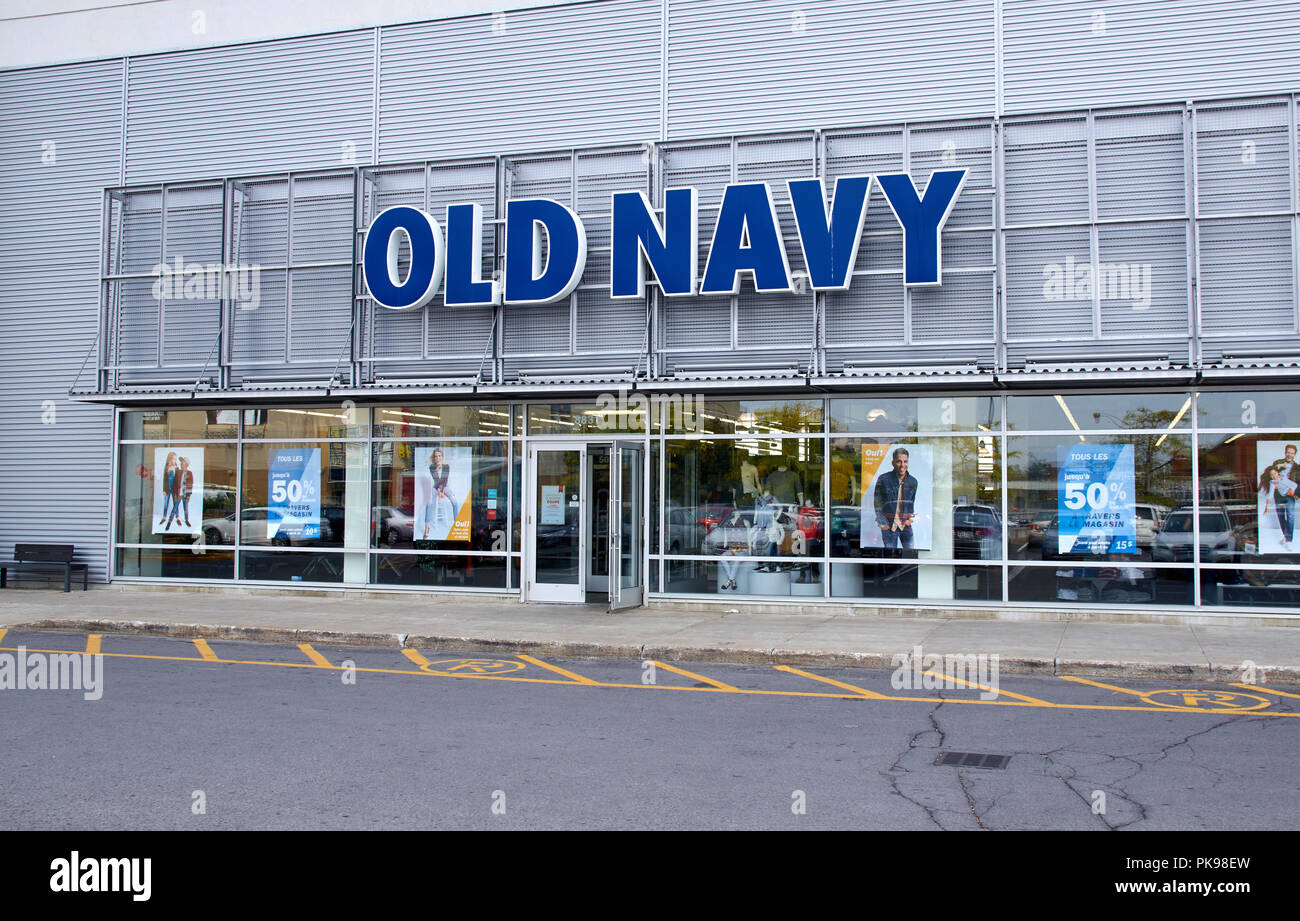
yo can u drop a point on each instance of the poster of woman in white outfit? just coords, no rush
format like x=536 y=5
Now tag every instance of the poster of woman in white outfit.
x=442 y=487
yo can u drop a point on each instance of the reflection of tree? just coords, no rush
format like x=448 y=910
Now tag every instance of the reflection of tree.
x=1153 y=455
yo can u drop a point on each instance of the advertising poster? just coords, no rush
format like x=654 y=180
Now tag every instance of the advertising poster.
x=293 y=483
x=1094 y=496
x=1278 y=490
x=552 y=504
x=897 y=496
x=442 y=487
x=177 y=490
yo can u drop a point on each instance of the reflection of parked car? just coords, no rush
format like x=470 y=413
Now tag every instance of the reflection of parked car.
x=739 y=532
x=976 y=533
x=684 y=533
x=845 y=530
x=1147 y=520
x=1175 y=540
x=392 y=526
x=1048 y=544
x=254 y=527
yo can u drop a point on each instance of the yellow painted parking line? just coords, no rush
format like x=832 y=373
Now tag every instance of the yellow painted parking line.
x=315 y=656
x=856 y=692
x=205 y=650
x=415 y=657
x=1251 y=687
x=860 y=692
x=572 y=676
x=721 y=686
x=1105 y=687
x=3 y=631
x=93 y=642
x=998 y=691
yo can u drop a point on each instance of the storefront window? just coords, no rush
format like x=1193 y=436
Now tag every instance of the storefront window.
x=440 y=421
x=1098 y=497
x=303 y=494
x=176 y=493
x=307 y=422
x=686 y=414
x=1248 y=409
x=1100 y=412
x=613 y=413
x=194 y=562
x=436 y=570
x=440 y=495
x=949 y=507
x=916 y=414
x=1248 y=540
x=745 y=497
x=177 y=425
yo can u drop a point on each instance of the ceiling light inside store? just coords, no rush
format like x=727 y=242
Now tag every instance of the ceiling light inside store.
x=1060 y=400
x=1187 y=404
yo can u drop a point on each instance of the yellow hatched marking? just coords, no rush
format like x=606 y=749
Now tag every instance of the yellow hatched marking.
x=572 y=676
x=93 y=642
x=1105 y=687
x=3 y=631
x=998 y=691
x=1251 y=687
x=721 y=686
x=415 y=657
x=860 y=692
x=315 y=656
x=857 y=693
x=205 y=650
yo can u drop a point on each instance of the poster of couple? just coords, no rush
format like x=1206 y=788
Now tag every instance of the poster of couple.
x=442 y=493
x=1278 y=490
x=177 y=490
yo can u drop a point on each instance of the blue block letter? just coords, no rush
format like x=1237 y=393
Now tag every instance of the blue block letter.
x=922 y=219
x=638 y=238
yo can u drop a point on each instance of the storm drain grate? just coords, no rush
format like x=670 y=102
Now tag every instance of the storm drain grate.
x=974 y=759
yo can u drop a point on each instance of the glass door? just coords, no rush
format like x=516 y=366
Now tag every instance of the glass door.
x=626 y=525
x=555 y=529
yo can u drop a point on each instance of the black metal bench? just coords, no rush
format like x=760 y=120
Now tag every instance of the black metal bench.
x=46 y=557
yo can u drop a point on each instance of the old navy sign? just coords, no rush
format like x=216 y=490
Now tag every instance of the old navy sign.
x=746 y=242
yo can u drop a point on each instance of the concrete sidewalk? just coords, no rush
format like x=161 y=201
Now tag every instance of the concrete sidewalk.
x=1199 y=646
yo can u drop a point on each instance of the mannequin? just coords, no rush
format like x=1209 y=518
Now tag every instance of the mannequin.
x=748 y=479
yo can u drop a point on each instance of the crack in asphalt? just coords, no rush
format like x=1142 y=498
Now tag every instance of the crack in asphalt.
x=895 y=769
x=970 y=801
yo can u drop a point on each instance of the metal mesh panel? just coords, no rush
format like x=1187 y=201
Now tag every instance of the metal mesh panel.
x=260 y=218
x=1140 y=165
x=320 y=314
x=137 y=325
x=1243 y=159
x=141 y=233
x=258 y=335
x=193 y=225
x=767 y=320
x=1142 y=279
x=1246 y=287
x=870 y=312
x=1035 y=309
x=962 y=308
x=322 y=219
x=1045 y=164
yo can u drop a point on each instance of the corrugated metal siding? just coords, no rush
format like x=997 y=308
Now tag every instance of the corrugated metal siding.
x=738 y=65
x=291 y=104
x=1060 y=54
x=53 y=477
x=530 y=80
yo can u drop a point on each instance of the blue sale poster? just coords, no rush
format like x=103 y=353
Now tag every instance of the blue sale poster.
x=294 y=490
x=1095 y=499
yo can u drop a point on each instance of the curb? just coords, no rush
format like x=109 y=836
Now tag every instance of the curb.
x=1012 y=665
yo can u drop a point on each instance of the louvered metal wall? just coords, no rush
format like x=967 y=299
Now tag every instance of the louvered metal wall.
x=60 y=145
x=1074 y=126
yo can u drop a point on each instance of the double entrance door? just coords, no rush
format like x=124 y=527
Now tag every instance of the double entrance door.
x=585 y=523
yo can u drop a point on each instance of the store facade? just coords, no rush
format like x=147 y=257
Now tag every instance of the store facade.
x=1006 y=347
